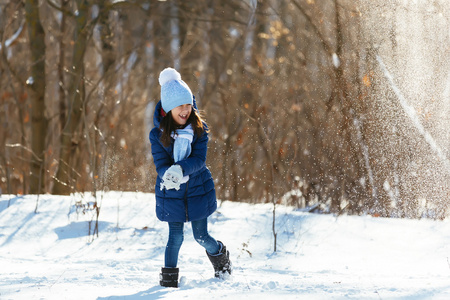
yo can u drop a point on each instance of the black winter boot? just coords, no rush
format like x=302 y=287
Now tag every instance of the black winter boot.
x=169 y=277
x=221 y=261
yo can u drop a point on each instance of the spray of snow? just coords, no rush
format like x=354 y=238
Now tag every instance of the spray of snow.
x=411 y=113
x=365 y=150
x=447 y=89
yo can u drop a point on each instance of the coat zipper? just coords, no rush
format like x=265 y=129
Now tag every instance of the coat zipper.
x=186 y=202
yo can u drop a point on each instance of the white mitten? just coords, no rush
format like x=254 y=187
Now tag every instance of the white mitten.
x=172 y=178
x=167 y=184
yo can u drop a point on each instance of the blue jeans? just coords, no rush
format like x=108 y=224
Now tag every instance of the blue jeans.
x=201 y=235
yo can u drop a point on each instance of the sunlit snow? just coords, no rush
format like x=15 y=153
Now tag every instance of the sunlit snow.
x=48 y=255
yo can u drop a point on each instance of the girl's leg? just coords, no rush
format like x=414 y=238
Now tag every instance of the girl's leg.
x=201 y=235
x=173 y=244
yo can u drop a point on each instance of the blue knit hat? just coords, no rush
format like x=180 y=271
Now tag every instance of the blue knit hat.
x=174 y=91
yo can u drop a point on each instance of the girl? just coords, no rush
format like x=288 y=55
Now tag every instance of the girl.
x=184 y=187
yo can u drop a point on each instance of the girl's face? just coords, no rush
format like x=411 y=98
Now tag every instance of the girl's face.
x=181 y=113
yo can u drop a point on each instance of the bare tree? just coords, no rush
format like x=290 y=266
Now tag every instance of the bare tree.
x=36 y=82
x=71 y=132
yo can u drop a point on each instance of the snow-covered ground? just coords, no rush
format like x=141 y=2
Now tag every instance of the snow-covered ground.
x=49 y=254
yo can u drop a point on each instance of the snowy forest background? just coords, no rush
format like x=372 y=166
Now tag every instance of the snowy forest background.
x=337 y=104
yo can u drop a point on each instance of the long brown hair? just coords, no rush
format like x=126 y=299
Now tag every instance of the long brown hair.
x=168 y=125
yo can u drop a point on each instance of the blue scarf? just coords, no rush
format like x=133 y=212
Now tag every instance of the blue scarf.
x=182 y=145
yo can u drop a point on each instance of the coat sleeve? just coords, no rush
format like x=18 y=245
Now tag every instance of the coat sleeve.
x=197 y=159
x=161 y=157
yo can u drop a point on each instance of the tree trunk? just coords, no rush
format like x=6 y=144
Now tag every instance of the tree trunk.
x=36 y=83
x=64 y=183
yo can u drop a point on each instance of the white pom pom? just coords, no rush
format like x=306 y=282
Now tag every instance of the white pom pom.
x=168 y=74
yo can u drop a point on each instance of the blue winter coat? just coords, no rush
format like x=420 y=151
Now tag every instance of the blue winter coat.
x=196 y=199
